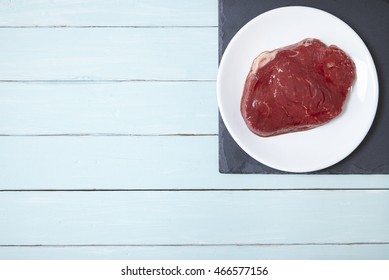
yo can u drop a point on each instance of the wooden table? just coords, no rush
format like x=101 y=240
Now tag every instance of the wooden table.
x=109 y=147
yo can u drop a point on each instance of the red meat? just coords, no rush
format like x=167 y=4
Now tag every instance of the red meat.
x=296 y=88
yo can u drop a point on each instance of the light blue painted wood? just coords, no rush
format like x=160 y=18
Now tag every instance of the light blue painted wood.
x=305 y=252
x=140 y=163
x=108 y=53
x=147 y=162
x=121 y=108
x=108 y=13
x=224 y=217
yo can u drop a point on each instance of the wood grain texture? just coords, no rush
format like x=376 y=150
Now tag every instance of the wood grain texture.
x=108 y=13
x=261 y=252
x=140 y=162
x=151 y=218
x=62 y=68
x=108 y=54
x=108 y=108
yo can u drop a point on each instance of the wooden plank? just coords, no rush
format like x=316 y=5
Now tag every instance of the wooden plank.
x=106 y=13
x=108 y=53
x=299 y=252
x=108 y=108
x=141 y=162
x=184 y=218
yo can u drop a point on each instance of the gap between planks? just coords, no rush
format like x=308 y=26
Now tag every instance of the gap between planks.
x=110 y=135
x=111 y=81
x=195 y=190
x=108 y=26
x=199 y=245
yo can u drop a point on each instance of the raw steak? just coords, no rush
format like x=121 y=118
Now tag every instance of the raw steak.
x=295 y=88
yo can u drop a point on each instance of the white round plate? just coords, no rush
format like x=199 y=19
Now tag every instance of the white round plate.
x=313 y=149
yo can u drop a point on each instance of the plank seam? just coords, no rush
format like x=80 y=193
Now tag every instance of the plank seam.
x=196 y=190
x=201 y=245
x=110 y=81
x=107 y=26
x=110 y=135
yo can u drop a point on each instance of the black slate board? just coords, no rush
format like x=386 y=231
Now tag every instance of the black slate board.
x=370 y=19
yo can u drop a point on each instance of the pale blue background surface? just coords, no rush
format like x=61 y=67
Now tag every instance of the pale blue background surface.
x=109 y=147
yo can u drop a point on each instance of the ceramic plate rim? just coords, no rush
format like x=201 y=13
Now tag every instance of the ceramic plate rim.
x=229 y=51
